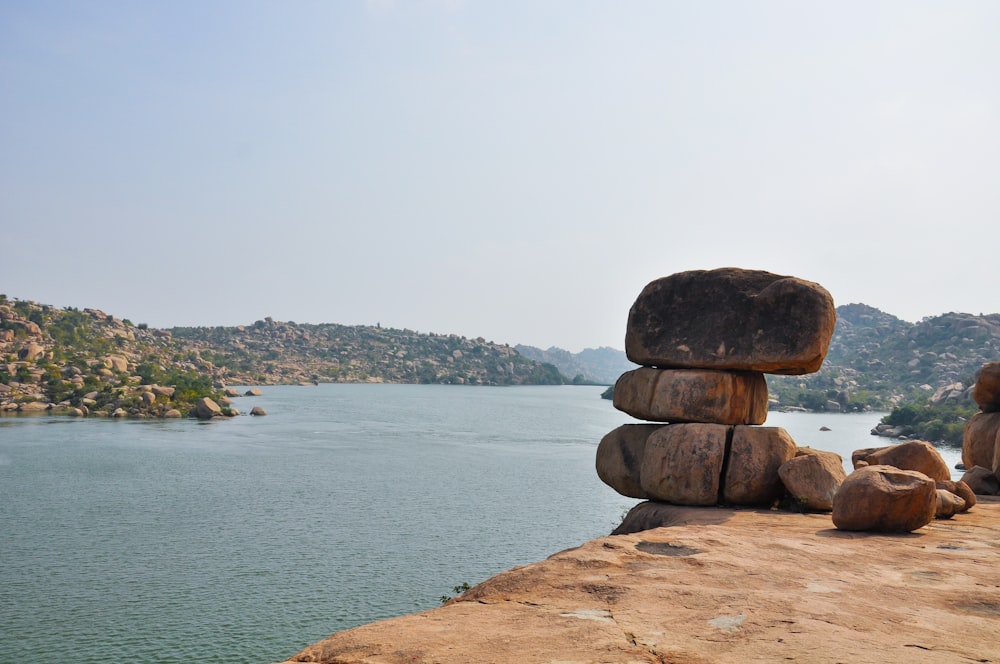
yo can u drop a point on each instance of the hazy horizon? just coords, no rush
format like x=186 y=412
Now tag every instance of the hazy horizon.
x=619 y=347
x=516 y=171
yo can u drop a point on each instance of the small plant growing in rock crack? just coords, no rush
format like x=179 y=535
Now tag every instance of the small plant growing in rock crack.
x=458 y=590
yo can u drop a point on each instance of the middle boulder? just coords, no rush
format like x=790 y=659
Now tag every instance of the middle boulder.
x=692 y=395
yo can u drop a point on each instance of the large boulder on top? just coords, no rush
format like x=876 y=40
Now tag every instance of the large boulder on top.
x=755 y=455
x=986 y=391
x=731 y=318
x=693 y=395
x=885 y=499
x=812 y=478
x=979 y=439
x=682 y=463
x=916 y=455
x=619 y=458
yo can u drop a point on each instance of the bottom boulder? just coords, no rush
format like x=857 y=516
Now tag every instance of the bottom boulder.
x=885 y=499
x=812 y=478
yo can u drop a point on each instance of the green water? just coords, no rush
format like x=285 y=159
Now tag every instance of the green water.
x=246 y=540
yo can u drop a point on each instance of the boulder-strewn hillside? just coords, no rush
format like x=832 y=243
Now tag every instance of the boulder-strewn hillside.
x=591 y=365
x=269 y=352
x=877 y=361
x=85 y=362
x=88 y=361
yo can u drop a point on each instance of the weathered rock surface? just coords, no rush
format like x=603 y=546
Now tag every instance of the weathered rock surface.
x=982 y=481
x=960 y=489
x=885 y=499
x=731 y=318
x=257 y=411
x=31 y=352
x=986 y=391
x=116 y=363
x=755 y=455
x=916 y=455
x=619 y=458
x=689 y=395
x=207 y=408
x=947 y=505
x=682 y=463
x=724 y=586
x=812 y=478
x=979 y=439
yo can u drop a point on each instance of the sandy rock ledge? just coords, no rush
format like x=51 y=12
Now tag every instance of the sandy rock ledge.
x=720 y=585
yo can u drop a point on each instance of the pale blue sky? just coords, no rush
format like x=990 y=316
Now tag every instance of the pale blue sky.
x=512 y=170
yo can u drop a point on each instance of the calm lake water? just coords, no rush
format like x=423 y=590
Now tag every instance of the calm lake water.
x=246 y=540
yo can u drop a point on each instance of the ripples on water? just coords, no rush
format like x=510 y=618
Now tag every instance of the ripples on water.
x=245 y=540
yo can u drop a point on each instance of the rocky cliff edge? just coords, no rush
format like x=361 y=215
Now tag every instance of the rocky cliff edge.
x=720 y=585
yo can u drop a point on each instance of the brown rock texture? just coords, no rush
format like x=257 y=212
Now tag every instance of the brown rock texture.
x=948 y=505
x=979 y=439
x=986 y=391
x=731 y=318
x=982 y=481
x=693 y=395
x=682 y=463
x=885 y=499
x=722 y=586
x=755 y=454
x=915 y=455
x=812 y=478
x=960 y=489
x=206 y=408
x=619 y=458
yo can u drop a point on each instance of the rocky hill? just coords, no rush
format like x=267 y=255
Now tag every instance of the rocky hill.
x=877 y=361
x=601 y=366
x=95 y=360
x=270 y=352
x=89 y=362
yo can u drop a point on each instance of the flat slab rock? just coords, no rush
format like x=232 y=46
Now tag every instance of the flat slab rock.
x=720 y=585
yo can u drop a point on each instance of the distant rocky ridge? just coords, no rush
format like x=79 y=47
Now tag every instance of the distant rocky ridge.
x=876 y=361
x=89 y=362
x=274 y=352
x=601 y=366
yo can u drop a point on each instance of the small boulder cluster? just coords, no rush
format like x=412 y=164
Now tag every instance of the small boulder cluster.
x=981 y=437
x=899 y=488
x=704 y=340
x=206 y=408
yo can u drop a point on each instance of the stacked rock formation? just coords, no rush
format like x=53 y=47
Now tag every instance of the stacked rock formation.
x=704 y=340
x=981 y=438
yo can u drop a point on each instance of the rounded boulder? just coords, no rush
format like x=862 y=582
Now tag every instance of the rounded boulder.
x=885 y=499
